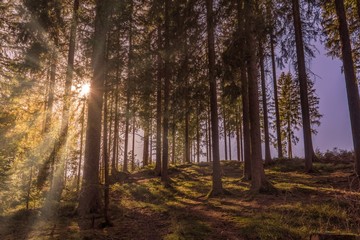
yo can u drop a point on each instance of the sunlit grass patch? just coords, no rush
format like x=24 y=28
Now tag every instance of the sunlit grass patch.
x=266 y=227
x=184 y=226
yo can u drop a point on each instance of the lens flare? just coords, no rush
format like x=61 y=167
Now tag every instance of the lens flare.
x=85 y=89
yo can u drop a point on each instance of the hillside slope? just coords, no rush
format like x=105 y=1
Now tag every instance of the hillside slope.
x=141 y=208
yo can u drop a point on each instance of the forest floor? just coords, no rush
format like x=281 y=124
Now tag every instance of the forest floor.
x=142 y=208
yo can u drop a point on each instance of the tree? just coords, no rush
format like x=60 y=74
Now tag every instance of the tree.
x=216 y=177
x=89 y=200
x=265 y=107
x=301 y=68
x=289 y=110
x=258 y=179
x=350 y=80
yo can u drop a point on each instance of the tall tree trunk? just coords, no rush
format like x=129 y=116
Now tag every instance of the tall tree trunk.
x=238 y=137
x=128 y=99
x=276 y=101
x=81 y=144
x=230 y=158
x=165 y=154
x=173 y=133
x=187 y=119
x=358 y=8
x=216 y=176
x=151 y=140
x=241 y=141
x=146 y=144
x=207 y=142
x=158 y=106
x=244 y=93
x=308 y=146
x=289 y=139
x=110 y=121
x=89 y=201
x=210 y=136
x=265 y=110
x=258 y=179
x=350 y=80
x=59 y=152
x=133 y=144
x=116 y=128
x=51 y=91
x=225 y=134
x=106 y=156
x=197 y=139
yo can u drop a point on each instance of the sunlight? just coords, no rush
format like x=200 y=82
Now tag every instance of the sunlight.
x=85 y=89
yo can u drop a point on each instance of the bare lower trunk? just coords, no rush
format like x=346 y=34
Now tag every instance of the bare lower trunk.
x=146 y=145
x=197 y=139
x=238 y=137
x=133 y=145
x=173 y=133
x=230 y=157
x=225 y=134
x=207 y=142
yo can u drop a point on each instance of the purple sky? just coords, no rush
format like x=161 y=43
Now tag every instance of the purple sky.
x=334 y=130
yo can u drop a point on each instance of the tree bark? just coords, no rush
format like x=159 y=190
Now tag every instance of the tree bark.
x=116 y=128
x=173 y=133
x=308 y=145
x=146 y=144
x=230 y=157
x=244 y=93
x=128 y=96
x=350 y=80
x=89 y=201
x=207 y=142
x=133 y=145
x=276 y=101
x=197 y=139
x=210 y=136
x=165 y=154
x=238 y=137
x=106 y=157
x=265 y=109
x=158 y=106
x=258 y=179
x=225 y=134
x=216 y=176
x=81 y=144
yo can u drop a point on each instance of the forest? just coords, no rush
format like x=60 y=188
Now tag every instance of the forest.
x=175 y=119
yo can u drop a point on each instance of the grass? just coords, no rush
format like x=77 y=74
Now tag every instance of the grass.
x=143 y=208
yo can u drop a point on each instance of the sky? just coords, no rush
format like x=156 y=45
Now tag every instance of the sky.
x=335 y=129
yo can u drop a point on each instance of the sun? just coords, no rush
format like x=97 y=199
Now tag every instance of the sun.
x=85 y=89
